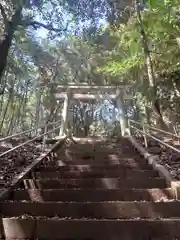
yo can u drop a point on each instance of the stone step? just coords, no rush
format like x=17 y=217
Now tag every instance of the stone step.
x=103 y=157
x=97 y=210
x=98 y=195
x=89 y=167
x=53 y=229
x=106 y=183
x=98 y=174
x=121 y=162
x=87 y=193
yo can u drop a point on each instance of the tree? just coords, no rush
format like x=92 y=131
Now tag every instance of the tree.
x=14 y=11
x=150 y=71
x=127 y=58
x=104 y=43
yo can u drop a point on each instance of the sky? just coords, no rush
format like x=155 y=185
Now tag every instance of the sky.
x=64 y=17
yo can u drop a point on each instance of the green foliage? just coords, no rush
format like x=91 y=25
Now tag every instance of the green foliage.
x=96 y=42
x=126 y=57
x=115 y=68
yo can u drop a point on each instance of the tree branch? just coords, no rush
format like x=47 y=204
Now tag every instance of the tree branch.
x=49 y=27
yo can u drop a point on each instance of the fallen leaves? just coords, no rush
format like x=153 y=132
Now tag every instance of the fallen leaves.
x=14 y=162
x=166 y=156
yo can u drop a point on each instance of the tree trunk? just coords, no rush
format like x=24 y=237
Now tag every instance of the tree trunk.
x=150 y=72
x=23 y=108
x=7 y=40
x=9 y=101
x=38 y=106
x=11 y=123
x=3 y=116
x=147 y=114
x=4 y=49
x=2 y=91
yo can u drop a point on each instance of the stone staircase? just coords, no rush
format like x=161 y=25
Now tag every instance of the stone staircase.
x=92 y=190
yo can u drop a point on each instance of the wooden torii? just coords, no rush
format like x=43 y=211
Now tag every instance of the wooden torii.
x=93 y=92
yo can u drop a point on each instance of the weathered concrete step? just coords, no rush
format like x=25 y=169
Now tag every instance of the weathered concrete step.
x=90 y=168
x=56 y=229
x=97 y=210
x=124 y=163
x=98 y=195
x=103 y=158
x=83 y=151
x=98 y=174
x=100 y=147
x=78 y=161
x=106 y=183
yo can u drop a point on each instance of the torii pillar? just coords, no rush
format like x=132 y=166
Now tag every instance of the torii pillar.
x=121 y=110
x=64 y=118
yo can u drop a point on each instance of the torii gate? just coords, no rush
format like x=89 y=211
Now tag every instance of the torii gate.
x=93 y=92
